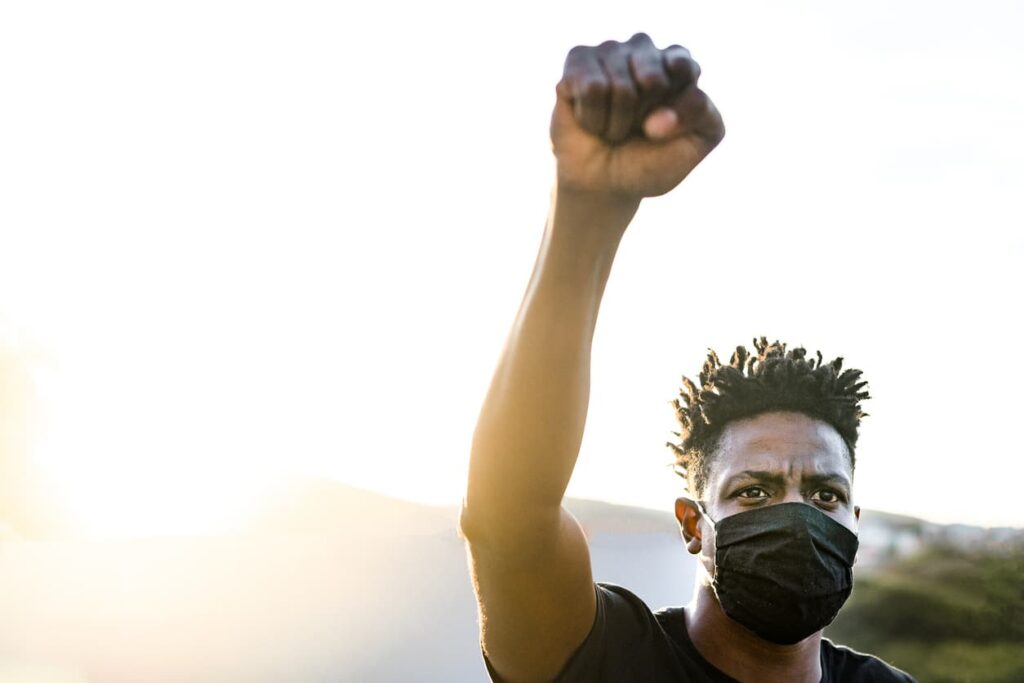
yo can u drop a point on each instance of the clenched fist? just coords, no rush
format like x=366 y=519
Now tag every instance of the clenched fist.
x=629 y=119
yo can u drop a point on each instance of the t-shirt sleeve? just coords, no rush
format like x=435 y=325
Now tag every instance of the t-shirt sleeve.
x=621 y=641
x=620 y=644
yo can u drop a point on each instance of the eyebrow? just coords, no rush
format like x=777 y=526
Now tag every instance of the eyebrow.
x=771 y=477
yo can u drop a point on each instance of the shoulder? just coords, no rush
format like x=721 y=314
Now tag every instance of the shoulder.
x=844 y=664
x=626 y=643
x=624 y=612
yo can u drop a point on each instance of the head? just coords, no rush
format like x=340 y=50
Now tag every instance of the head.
x=768 y=427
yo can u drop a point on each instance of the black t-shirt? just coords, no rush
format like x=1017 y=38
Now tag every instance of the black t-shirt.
x=631 y=644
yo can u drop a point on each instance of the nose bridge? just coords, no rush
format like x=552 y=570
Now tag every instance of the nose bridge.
x=792 y=492
x=793 y=497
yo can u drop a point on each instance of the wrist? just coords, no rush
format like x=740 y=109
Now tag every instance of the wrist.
x=592 y=215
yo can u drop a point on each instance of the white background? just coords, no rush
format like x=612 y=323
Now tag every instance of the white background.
x=255 y=239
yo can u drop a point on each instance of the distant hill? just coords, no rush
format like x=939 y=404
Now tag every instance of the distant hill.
x=314 y=505
x=321 y=505
x=325 y=583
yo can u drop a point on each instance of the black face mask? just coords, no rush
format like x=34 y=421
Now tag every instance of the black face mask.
x=783 y=570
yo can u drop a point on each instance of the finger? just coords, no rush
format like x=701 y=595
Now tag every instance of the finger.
x=585 y=84
x=700 y=116
x=695 y=115
x=623 y=95
x=648 y=68
x=682 y=70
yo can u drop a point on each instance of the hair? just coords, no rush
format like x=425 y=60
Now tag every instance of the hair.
x=773 y=379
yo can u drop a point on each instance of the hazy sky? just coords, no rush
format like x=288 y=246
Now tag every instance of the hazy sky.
x=263 y=238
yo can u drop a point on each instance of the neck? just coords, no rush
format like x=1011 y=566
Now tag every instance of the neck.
x=738 y=652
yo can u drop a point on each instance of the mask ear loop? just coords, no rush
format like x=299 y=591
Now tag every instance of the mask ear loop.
x=699 y=504
x=704 y=511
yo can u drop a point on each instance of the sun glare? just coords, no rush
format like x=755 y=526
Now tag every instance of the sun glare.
x=237 y=280
x=115 y=486
x=136 y=504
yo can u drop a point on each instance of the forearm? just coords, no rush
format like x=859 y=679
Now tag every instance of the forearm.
x=528 y=555
x=531 y=424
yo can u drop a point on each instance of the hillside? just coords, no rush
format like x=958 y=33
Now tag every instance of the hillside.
x=326 y=583
x=948 y=613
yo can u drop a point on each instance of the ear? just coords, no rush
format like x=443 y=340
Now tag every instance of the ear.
x=688 y=515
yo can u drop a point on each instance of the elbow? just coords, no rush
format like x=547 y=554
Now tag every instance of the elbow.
x=513 y=533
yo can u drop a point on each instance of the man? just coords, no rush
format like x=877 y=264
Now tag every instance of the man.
x=766 y=440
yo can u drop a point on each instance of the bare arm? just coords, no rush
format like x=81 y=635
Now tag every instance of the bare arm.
x=629 y=122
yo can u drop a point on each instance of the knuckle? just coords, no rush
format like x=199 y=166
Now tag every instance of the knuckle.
x=678 y=60
x=609 y=46
x=683 y=65
x=652 y=79
x=592 y=89
x=641 y=38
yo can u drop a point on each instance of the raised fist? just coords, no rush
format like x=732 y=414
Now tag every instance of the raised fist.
x=629 y=119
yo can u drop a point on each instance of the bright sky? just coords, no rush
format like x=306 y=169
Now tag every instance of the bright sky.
x=289 y=237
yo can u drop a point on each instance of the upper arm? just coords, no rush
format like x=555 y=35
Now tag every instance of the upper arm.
x=536 y=596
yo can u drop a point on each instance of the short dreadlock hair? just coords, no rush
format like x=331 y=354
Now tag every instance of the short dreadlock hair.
x=772 y=379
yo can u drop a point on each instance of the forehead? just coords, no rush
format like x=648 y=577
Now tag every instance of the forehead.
x=782 y=442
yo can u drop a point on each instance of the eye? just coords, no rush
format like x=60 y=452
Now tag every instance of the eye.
x=752 y=492
x=827 y=496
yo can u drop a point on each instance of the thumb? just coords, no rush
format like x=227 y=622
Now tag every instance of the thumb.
x=661 y=124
